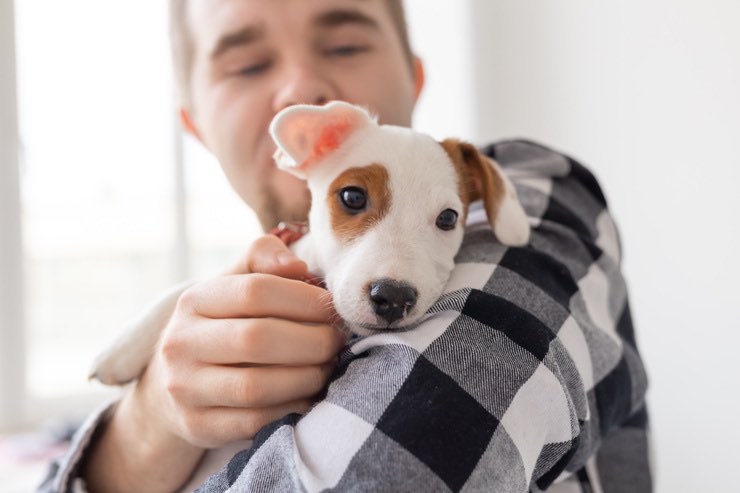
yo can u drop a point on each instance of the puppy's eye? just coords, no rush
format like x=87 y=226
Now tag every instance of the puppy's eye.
x=354 y=199
x=447 y=220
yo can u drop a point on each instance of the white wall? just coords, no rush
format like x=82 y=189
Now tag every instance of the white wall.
x=439 y=32
x=647 y=94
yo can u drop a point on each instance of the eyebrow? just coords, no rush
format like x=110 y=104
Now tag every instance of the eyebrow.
x=241 y=37
x=340 y=17
x=327 y=20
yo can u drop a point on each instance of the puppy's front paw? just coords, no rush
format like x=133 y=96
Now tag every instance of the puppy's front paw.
x=126 y=359
x=122 y=363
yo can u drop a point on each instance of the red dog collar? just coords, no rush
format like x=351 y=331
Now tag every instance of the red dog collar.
x=290 y=232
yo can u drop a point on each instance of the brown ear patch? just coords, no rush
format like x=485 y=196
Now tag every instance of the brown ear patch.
x=466 y=188
x=374 y=180
x=477 y=178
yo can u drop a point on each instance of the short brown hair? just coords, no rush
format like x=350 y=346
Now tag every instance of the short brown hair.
x=182 y=45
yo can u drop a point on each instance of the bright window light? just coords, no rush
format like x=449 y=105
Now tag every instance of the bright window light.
x=95 y=107
x=98 y=182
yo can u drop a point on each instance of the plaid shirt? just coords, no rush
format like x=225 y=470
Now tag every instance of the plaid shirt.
x=525 y=376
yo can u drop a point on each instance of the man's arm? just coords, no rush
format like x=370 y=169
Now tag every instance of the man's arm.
x=239 y=351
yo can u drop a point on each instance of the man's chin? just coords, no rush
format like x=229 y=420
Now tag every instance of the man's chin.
x=271 y=211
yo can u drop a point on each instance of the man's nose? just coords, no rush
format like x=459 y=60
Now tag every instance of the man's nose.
x=304 y=85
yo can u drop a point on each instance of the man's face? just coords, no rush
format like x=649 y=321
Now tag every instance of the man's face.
x=254 y=57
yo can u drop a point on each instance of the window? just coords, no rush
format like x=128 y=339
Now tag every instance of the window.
x=105 y=182
x=111 y=204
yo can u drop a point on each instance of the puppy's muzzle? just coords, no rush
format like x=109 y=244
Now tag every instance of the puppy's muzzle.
x=391 y=300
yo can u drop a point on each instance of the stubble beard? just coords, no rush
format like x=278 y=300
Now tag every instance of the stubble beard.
x=271 y=211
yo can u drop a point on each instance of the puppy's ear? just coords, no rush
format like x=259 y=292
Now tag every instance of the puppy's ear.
x=305 y=134
x=482 y=178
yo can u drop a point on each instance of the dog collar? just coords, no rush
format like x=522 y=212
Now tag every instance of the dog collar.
x=290 y=232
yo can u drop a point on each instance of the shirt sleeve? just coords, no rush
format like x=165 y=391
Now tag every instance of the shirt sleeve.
x=62 y=475
x=523 y=368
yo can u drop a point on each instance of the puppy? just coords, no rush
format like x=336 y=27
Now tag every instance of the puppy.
x=387 y=218
x=388 y=209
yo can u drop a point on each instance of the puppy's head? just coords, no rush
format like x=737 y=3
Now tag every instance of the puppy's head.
x=388 y=208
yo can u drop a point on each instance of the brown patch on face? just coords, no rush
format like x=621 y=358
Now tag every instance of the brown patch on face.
x=476 y=177
x=373 y=179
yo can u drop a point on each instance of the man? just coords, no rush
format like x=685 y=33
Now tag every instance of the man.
x=256 y=344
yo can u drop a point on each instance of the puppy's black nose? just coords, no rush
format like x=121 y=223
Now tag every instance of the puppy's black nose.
x=391 y=299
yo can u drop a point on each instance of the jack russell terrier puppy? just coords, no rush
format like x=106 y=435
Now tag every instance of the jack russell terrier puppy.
x=387 y=218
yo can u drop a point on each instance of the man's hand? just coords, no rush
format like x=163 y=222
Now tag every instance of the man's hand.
x=240 y=351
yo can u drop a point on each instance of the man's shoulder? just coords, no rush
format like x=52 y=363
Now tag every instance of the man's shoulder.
x=567 y=210
x=524 y=158
x=520 y=150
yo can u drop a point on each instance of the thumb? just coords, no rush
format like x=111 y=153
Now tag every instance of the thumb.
x=269 y=255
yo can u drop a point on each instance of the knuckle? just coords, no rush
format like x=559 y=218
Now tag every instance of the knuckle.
x=171 y=349
x=252 y=338
x=249 y=287
x=188 y=300
x=193 y=425
x=250 y=391
x=175 y=389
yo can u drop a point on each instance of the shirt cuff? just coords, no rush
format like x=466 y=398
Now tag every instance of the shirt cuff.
x=64 y=471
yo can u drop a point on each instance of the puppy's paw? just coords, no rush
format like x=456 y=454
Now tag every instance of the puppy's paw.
x=126 y=359
x=122 y=363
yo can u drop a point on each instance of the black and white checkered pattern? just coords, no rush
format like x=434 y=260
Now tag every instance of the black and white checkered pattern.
x=524 y=377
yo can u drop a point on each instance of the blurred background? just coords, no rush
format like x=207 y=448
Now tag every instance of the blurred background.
x=103 y=203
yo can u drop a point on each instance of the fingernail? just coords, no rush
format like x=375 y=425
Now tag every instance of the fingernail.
x=286 y=257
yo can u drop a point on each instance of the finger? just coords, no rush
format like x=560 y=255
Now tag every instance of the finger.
x=256 y=387
x=259 y=295
x=269 y=255
x=216 y=426
x=267 y=341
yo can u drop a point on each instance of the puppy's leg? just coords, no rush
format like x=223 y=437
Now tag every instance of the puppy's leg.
x=128 y=356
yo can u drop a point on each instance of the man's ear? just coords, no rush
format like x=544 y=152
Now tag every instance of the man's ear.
x=305 y=134
x=419 y=77
x=186 y=120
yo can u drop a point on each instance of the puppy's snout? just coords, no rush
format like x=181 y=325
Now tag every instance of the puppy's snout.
x=392 y=299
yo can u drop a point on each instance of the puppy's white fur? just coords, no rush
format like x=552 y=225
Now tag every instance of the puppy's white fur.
x=405 y=245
